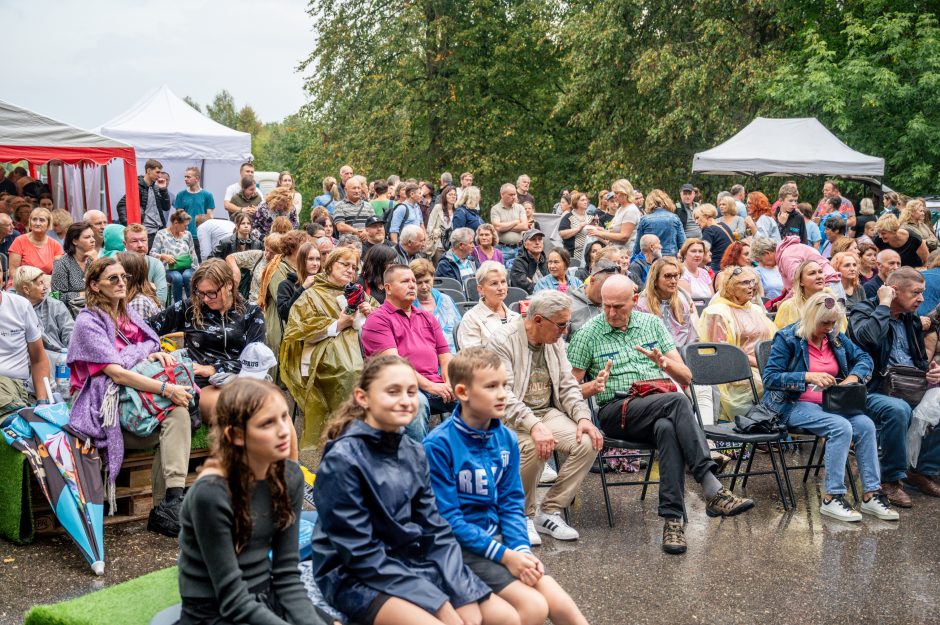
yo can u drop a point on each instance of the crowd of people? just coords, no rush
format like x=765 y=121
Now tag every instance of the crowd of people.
x=387 y=302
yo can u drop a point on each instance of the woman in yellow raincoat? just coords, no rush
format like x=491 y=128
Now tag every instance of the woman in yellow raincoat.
x=320 y=354
x=733 y=318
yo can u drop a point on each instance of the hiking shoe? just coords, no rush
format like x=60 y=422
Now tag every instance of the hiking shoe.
x=165 y=518
x=555 y=526
x=549 y=475
x=880 y=507
x=674 y=537
x=838 y=508
x=534 y=539
x=726 y=503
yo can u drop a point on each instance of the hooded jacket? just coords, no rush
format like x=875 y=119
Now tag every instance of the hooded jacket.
x=790 y=253
x=523 y=270
x=379 y=528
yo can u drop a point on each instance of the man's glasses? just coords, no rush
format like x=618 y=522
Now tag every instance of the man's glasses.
x=118 y=277
x=205 y=294
x=562 y=327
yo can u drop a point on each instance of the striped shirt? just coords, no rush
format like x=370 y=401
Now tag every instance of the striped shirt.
x=597 y=341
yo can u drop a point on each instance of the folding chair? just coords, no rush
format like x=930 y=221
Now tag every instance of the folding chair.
x=470 y=288
x=515 y=294
x=455 y=294
x=447 y=283
x=721 y=363
x=463 y=307
x=762 y=353
x=514 y=307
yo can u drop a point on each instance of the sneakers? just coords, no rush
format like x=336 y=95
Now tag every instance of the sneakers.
x=880 y=507
x=549 y=475
x=726 y=503
x=838 y=508
x=165 y=518
x=674 y=537
x=534 y=539
x=554 y=526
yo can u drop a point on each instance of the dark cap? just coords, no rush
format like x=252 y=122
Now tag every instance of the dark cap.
x=372 y=221
x=610 y=195
x=688 y=187
x=532 y=233
x=605 y=266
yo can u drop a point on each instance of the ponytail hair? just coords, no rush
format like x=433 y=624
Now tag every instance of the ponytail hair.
x=351 y=410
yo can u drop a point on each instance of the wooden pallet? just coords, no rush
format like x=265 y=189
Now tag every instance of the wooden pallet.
x=134 y=492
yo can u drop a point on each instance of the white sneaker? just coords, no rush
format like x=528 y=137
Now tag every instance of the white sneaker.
x=534 y=539
x=879 y=506
x=838 y=508
x=554 y=526
x=549 y=475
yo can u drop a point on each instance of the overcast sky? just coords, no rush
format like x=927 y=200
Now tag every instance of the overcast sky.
x=85 y=62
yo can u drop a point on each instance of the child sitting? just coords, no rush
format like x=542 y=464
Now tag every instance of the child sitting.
x=245 y=506
x=474 y=462
x=381 y=552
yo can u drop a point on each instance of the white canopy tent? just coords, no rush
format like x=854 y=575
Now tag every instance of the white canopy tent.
x=163 y=126
x=787 y=147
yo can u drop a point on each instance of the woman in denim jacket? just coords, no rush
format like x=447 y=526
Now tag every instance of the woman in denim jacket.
x=807 y=357
x=660 y=219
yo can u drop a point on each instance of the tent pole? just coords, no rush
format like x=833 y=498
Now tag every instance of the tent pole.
x=107 y=191
x=202 y=173
x=81 y=169
x=65 y=186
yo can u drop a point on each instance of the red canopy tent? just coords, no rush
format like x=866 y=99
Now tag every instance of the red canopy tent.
x=28 y=136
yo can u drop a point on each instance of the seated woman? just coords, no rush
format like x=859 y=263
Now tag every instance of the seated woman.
x=867 y=262
x=440 y=305
x=56 y=320
x=320 y=353
x=695 y=279
x=764 y=253
x=107 y=342
x=808 y=280
x=239 y=522
x=274 y=274
x=795 y=391
x=250 y=264
x=141 y=296
x=308 y=266
x=490 y=314
x=846 y=263
x=240 y=240
x=486 y=249
x=374 y=264
x=557 y=279
x=734 y=319
x=590 y=257
x=217 y=324
x=174 y=247
x=35 y=248
x=68 y=271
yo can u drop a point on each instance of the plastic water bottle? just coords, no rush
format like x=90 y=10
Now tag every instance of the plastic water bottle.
x=62 y=376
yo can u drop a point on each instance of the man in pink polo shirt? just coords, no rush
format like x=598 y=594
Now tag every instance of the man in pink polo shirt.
x=401 y=328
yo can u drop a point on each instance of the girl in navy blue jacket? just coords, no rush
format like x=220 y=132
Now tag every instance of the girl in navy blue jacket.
x=382 y=554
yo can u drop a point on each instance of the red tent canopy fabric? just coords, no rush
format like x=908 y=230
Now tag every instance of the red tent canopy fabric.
x=28 y=136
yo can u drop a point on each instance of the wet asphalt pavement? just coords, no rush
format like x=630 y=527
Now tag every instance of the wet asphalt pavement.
x=765 y=566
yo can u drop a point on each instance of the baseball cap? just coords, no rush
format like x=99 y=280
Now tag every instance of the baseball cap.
x=256 y=359
x=532 y=233
x=605 y=266
x=373 y=220
x=688 y=187
x=610 y=195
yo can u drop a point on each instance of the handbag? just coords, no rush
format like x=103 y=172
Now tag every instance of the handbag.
x=143 y=412
x=904 y=382
x=643 y=388
x=182 y=263
x=759 y=419
x=845 y=399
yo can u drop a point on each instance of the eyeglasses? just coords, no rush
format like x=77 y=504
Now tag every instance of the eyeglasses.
x=118 y=277
x=562 y=327
x=829 y=303
x=205 y=294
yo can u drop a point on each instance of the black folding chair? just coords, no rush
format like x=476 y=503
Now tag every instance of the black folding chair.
x=447 y=283
x=515 y=294
x=470 y=288
x=463 y=307
x=762 y=353
x=721 y=363
x=456 y=295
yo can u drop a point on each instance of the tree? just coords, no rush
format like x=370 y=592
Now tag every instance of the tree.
x=223 y=109
x=188 y=100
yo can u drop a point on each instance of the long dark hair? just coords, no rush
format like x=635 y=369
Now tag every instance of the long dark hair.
x=237 y=404
x=445 y=208
x=351 y=410
x=374 y=264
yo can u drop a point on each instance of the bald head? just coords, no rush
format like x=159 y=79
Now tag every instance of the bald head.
x=888 y=262
x=618 y=296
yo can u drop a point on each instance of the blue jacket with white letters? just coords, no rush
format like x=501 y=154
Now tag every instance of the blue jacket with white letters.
x=476 y=480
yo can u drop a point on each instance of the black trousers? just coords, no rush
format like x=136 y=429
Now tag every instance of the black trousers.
x=667 y=421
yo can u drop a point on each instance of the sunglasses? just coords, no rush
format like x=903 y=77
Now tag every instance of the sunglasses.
x=562 y=327
x=116 y=278
x=829 y=303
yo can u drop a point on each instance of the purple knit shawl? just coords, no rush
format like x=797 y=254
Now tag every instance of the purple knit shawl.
x=93 y=342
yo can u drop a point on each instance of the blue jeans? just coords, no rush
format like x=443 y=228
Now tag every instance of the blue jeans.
x=893 y=417
x=427 y=404
x=840 y=432
x=509 y=254
x=180 y=281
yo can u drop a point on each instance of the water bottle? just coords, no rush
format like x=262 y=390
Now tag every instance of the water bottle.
x=62 y=376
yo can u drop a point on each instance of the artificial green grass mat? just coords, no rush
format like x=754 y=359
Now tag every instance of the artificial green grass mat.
x=16 y=523
x=132 y=603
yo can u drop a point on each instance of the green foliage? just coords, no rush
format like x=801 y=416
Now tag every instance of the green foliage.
x=188 y=100
x=222 y=109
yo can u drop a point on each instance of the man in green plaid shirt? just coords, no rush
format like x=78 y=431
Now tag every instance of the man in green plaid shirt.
x=622 y=347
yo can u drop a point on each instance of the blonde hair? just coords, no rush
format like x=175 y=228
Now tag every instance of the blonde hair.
x=421 y=267
x=623 y=186
x=41 y=212
x=688 y=244
x=907 y=212
x=657 y=198
x=887 y=223
x=280 y=199
x=680 y=312
x=61 y=219
x=798 y=295
x=728 y=280
x=24 y=275
x=728 y=206
x=469 y=198
x=708 y=211
x=814 y=311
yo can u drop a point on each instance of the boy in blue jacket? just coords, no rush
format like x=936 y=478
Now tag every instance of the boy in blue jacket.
x=474 y=463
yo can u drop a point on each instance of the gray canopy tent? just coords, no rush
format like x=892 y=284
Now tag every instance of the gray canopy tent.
x=788 y=147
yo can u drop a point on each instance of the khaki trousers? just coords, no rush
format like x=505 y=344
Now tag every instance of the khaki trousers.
x=173 y=440
x=580 y=457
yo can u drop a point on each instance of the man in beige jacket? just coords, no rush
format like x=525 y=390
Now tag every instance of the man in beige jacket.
x=546 y=409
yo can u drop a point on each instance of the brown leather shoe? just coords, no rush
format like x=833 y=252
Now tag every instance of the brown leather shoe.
x=923 y=483
x=896 y=495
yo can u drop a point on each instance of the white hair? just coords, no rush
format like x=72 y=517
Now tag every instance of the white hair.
x=488 y=267
x=409 y=233
x=548 y=303
x=461 y=235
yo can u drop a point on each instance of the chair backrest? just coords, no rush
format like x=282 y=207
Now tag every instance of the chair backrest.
x=762 y=354
x=718 y=363
x=515 y=294
x=457 y=296
x=700 y=306
x=514 y=306
x=464 y=307
x=456 y=342
x=470 y=288
x=447 y=283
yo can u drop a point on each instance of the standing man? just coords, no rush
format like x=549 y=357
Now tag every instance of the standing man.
x=246 y=170
x=789 y=220
x=375 y=233
x=831 y=189
x=466 y=180
x=345 y=173
x=154 y=200
x=195 y=201
x=351 y=212
x=522 y=190
x=408 y=213
x=684 y=209
x=135 y=240
x=739 y=194
x=509 y=218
